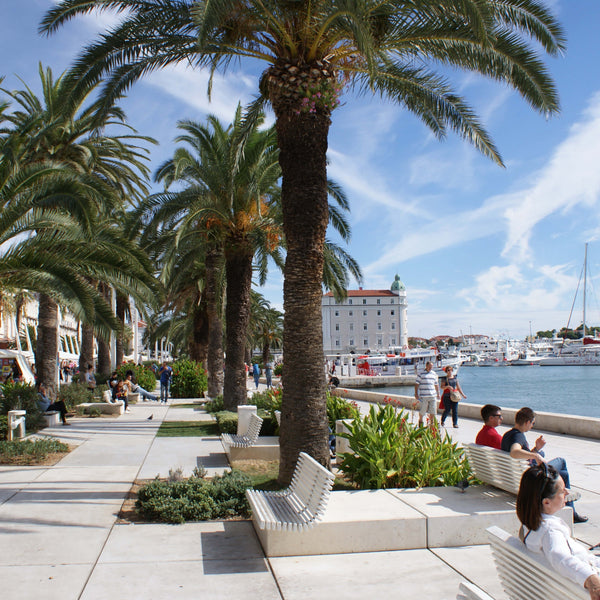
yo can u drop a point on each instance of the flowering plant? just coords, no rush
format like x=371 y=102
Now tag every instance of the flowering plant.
x=321 y=96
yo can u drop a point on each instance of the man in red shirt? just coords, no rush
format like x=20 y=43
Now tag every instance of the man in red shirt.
x=488 y=436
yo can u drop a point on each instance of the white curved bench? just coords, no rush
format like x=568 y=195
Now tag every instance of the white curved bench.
x=298 y=507
x=468 y=591
x=528 y=576
x=496 y=467
x=246 y=440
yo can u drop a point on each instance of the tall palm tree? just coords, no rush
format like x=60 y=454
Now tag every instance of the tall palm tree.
x=313 y=50
x=86 y=174
x=225 y=204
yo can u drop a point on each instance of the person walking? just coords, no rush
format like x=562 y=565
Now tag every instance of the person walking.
x=164 y=375
x=255 y=373
x=269 y=374
x=451 y=396
x=427 y=392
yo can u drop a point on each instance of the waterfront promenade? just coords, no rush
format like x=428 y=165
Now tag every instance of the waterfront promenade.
x=61 y=538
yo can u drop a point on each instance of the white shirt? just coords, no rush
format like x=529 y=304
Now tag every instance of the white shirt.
x=566 y=555
x=427 y=380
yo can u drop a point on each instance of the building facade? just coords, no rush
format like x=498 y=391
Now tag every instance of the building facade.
x=372 y=320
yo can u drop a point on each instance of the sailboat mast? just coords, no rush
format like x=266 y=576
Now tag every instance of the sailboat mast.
x=584 y=286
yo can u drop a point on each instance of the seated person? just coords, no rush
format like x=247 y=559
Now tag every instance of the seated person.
x=121 y=394
x=112 y=384
x=134 y=388
x=488 y=436
x=515 y=442
x=541 y=494
x=334 y=382
x=46 y=404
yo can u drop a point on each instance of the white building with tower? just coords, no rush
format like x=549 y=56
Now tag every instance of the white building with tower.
x=372 y=320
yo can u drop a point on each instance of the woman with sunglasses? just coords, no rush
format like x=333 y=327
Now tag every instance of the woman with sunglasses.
x=542 y=494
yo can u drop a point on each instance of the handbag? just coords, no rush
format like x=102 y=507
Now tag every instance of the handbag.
x=455 y=396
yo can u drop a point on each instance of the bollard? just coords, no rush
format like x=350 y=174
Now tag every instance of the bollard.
x=16 y=421
x=245 y=411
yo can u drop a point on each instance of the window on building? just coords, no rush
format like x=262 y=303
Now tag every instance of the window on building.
x=378 y=313
x=364 y=313
x=393 y=325
x=365 y=328
x=351 y=341
x=379 y=341
x=366 y=342
x=337 y=343
x=393 y=312
x=378 y=300
x=378 y=326
x=337 y=326
x=350 y=301
x=393 y=341
x=350 y=313
x=392 y=302
x=337 y=313
x=351 y=326
x=364 y=300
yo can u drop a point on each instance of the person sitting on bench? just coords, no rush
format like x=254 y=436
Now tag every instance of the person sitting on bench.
x=515 y=442
x=46 y=404
x=541 y=494
x=488 y=436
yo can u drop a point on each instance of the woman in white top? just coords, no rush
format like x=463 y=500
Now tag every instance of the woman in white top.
x=542 y=493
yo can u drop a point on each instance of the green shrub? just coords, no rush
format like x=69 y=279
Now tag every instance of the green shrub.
x=194 y=499
x=3 y=427
x=189 y=379
x=29 y=449
x=387 y=451
x=267 y=400
x=215 y=405
x=22 y=396
x=143 y=376
x=93 y=411
x=74 y=394
x=340 y=408
x=227 y=421
x=278 y=370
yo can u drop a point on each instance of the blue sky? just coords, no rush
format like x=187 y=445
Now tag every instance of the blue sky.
x=480 y=249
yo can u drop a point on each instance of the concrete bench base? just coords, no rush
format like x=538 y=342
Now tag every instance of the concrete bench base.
x=106 y=408
x=401 y=519
x=265 y=448
x=360 y=521
x=52 y=418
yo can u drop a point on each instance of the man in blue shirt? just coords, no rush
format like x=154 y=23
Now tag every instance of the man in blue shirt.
x=165 y=381
x=515 y=442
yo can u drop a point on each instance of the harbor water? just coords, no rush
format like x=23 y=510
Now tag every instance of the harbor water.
x=563 y=390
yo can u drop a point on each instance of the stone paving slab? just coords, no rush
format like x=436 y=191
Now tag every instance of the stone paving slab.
x=185 y=452
x=14 y=479
x=188 y=414
x=155 y=542
x=400 y=574
x=47 y=582
x=477 y=565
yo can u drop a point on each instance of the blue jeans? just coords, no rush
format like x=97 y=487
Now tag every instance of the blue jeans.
x=164 y=391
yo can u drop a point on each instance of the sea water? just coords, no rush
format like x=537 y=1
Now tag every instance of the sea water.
x=563 y=390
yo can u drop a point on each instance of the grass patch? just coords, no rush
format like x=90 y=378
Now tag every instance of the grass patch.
x=30 y=452
x=264 y=473
x=189 y=405
x=187 y=429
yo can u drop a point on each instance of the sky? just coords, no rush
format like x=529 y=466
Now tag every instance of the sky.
x=481 y=249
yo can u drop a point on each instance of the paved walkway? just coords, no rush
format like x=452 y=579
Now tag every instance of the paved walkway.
x=60 y=540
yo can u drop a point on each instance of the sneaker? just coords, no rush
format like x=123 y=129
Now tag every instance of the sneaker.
x=455 y=426
x=577 y=518
x=66 y=424
x=442 y=424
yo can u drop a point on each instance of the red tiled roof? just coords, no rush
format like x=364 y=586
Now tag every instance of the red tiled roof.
x=355 y=293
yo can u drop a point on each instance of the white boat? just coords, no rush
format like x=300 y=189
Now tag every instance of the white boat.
x=527 y=358
x=583 y=352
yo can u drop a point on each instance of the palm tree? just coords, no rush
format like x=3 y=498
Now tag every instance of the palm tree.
x=225 y=205
x=54 y=154
x=313 y=50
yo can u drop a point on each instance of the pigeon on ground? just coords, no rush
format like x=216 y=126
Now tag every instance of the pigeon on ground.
x=150 y=417
x=463 y=485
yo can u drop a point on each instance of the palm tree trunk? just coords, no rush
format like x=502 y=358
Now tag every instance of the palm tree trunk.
x=198 y=346
x=86 y=352
x=47 y=344
x=104 y=365
x=302 y=140
x=238 y=272
x=214 y=266
x=122 y=303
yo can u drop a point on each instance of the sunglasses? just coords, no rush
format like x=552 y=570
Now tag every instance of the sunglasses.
x=500 y=416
